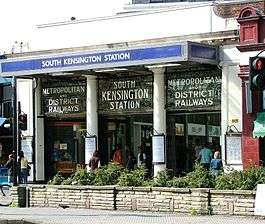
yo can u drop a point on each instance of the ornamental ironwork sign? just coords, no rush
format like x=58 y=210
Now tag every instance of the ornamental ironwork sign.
x=196 y=90
x=125 y=95
x=62 y=98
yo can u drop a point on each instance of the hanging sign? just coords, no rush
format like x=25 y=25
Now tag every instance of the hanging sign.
x=62 y=98
x=196 y=90
x=125 y=95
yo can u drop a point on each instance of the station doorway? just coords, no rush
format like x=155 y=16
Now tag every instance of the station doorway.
x=129 y=132
x=188 y=131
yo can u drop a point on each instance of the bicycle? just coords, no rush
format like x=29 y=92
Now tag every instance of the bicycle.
x=5 y=188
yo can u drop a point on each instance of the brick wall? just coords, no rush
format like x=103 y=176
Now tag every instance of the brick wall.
x=177 y=200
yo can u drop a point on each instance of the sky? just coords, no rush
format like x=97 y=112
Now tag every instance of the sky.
x=18 y=18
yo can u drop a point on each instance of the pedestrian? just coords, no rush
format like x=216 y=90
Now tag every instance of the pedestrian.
x=141 y=157
x=205 y=156
x=131 y=161
x=197 y=148
x=94 y=161
x=10 y=165
x=216 y=165
x=117 y=156
x=24 y=168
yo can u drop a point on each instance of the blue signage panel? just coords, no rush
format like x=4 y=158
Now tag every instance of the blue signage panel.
x=90 y=59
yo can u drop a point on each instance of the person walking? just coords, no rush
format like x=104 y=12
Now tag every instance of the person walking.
x=205 y=156
x=10 y=165
x=94 y=162
x=216 y=165
x=23 y=168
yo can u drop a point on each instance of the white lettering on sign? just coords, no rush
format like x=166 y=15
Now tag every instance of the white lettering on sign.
x=89 y=59
x=51 y=63
x=126 y=94
x=117 y=57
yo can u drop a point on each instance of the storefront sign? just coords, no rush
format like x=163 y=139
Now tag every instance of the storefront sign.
x=149 y=54
x=64 y=98
x=125 y=95
x=198 y=90
x=95 y=60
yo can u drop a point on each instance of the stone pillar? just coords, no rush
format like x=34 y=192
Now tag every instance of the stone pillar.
x=91 y=111
x=159 y=112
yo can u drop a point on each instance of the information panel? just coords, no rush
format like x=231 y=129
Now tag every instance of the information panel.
x=90 y=147
x=158 y=148
x=233 y=149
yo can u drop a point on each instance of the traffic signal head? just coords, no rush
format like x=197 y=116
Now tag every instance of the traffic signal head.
x=22 y=122
x=257 y=73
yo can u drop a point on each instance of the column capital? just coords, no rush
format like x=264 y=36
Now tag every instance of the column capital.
x=91 y=77
x=158 y=69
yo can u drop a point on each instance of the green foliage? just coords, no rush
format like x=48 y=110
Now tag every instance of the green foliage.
x=163 y=178
x=199 y=178
x=108 y=175
x=56 y=180
x=134 y=178
x=241 y=180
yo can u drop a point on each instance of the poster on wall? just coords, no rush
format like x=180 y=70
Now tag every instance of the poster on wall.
x=196 y=129
x=158 y=148
x=26 y=147
x=129 y=94
x=179 y=129
x=90 y=147
x=194 y=90
x=62 y=99
x=233 y=149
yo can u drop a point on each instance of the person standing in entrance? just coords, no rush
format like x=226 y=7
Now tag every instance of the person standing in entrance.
x=117 y=156
x=141 y=157
x=205 y=156
x=23 y=168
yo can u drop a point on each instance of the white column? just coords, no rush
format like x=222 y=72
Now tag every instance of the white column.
x=39 y=133
x=159 y=112
x=91 y=111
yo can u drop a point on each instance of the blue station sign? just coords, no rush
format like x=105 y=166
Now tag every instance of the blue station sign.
x=96 y=60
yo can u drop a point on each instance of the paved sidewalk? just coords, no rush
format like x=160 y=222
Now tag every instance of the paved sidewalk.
x=73 y=216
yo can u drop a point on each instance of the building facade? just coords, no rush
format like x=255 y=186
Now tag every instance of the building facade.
x=163 y=88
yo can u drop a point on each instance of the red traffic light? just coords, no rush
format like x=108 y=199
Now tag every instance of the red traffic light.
x=258 y=64
x=22 y=122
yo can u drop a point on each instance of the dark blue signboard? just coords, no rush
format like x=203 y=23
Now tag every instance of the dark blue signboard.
x=177 y=52
x=92 y=59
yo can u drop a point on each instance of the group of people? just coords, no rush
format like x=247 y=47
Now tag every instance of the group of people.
x=209 y=160
x=117 y=158
x=22 y=168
